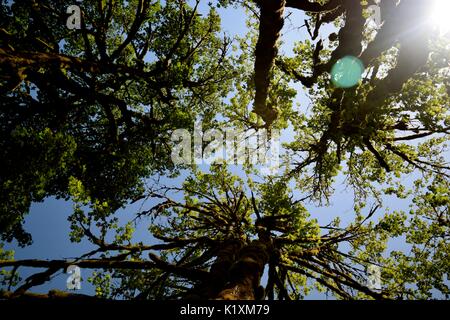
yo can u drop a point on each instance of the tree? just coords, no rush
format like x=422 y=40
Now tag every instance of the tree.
x=98 y=104
x=215 y=242
x=218 y=232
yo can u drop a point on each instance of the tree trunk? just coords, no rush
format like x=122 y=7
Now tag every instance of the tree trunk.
x=219 y=271
x=246 y=273
x=270 y=25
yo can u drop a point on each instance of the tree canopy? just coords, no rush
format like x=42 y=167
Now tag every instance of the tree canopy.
x=87 y=116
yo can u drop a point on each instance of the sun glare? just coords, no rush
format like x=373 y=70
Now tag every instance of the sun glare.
x=440 y=16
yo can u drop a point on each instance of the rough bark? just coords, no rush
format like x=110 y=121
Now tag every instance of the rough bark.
x=271 y=23
x=246 y=272
x=219 y=271
x=52 y=294
x=189 y=273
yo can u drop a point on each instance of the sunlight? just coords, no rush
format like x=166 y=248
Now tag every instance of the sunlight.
x=440 y=16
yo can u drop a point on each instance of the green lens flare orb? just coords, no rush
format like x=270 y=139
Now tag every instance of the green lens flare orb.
x=347 y=72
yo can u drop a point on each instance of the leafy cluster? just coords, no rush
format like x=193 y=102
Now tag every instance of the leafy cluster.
x=87 y=115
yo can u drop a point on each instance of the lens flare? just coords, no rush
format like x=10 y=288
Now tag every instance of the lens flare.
x=440 y=16
x=347 y=72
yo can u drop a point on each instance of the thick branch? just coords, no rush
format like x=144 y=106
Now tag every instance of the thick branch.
x=270 y=25
x=306 y=5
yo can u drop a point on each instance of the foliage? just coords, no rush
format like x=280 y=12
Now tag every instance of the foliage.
x=87 y=115
x=98 y=104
